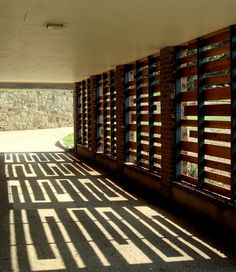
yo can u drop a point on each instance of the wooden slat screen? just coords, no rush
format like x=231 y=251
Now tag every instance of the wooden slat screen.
x=203 y=110
x=155 y=114
x=84 y=114
x=130 y=113
x=106 y=113
x=100 y=113
x=112 y=113
x=142 y=113
x=142 y=101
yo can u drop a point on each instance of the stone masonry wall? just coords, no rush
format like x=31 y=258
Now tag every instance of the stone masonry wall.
x=35 y=109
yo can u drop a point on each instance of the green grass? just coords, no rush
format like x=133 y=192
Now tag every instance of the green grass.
x=68 y=141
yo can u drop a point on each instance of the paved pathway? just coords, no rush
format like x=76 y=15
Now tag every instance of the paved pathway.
x=60 y=214
x=33 y=140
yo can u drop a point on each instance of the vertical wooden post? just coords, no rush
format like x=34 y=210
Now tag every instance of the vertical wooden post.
x=233 y=111
x=201 y=112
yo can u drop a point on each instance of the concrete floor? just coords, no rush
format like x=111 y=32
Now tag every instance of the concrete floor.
x=58 y=213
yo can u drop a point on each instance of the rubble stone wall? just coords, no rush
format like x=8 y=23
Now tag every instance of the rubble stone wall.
x=35 y=109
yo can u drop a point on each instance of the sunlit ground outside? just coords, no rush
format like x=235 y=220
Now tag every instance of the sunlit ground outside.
x=41 y=140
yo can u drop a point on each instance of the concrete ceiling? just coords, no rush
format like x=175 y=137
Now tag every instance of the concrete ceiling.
x=99 y=34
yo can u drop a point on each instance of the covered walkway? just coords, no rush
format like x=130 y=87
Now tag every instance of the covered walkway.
x=154 y=106
x=60 y=214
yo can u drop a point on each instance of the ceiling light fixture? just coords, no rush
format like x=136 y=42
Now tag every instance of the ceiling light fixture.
x=55 y=25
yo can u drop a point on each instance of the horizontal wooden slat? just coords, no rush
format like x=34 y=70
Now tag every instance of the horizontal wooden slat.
x=142 y=73
x=221 y=79
x=189 y=123
x=142 y=100
x=131 y=153
x=131 y=108
x=131 y=83
x=142 y=81
x=156 y=170
x=156 y=140
x=107 y=145
x=186 y=59
x=217 y=50
x=156 y=77
x=218 y=93
x=132 y=145
x=157 y=150
x=145 y=117
x=189 y=96
x=212 y=136
x=155 y=69
x=144 y=138
x=187 y=71
x=130 y=92
x=155 y=98
x=145 y=108
x=131 y=127
x=188 y=179
x=210 y=110
x=217 y=37
x=142 y=89
x=217 y=65
x=217 y=189
x=218 y=151
x=147 y=99
x=190 y=110
x=188 y=158
x=218 y=165
x=157 y=130
x=189 y=146
x=157 y=160
x=217 y=177
x=144 y=157
x=107 y=119
x=217 y=124
x=144 y=147
x=143 y=128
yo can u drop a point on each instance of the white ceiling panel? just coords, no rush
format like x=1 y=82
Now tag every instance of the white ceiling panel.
x=99 y=34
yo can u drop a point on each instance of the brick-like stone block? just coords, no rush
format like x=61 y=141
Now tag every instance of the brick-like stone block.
x=120 y=115
x=167 y=87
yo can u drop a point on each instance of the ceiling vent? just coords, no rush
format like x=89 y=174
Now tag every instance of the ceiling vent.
x=55 y=25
